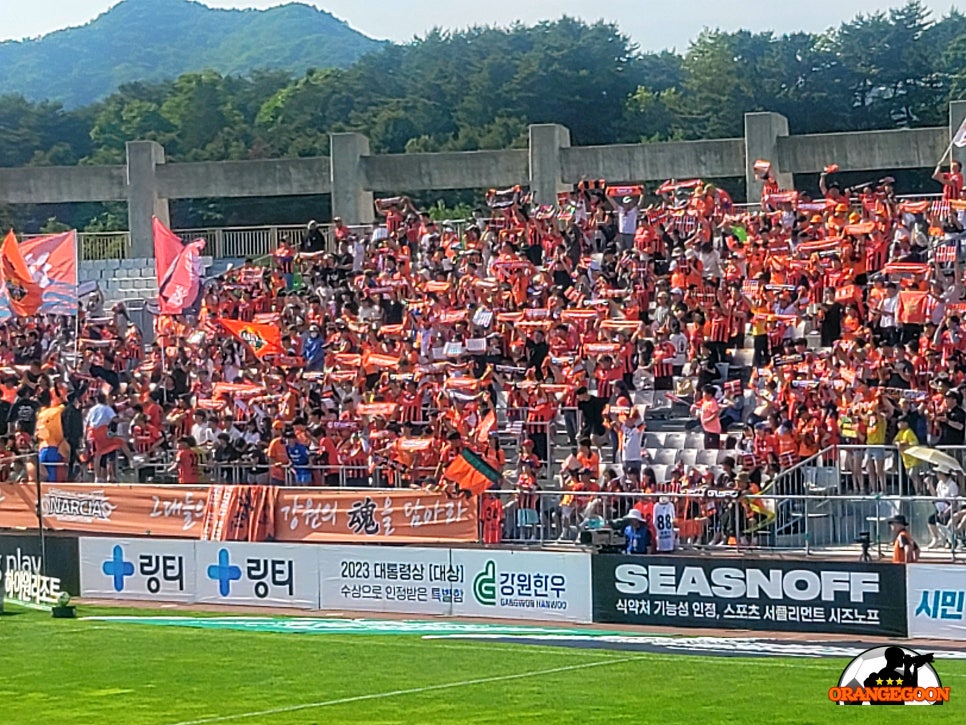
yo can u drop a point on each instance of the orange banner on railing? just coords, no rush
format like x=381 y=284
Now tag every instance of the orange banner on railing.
x=404 y=516
x=169 y=511
x=135 y=510
x=304 y=514
x=18 y=506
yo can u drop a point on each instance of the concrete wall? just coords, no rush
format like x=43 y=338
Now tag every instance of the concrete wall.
x=657 y=161
x=457 y=170
x=351 y=173
x=232 y=179
x=863 y=151
x=56 y=184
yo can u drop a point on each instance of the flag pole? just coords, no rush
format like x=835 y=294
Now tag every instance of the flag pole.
x=78 y=302
x=945 y=153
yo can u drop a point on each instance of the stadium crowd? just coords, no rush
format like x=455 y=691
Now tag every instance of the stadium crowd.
x=377 y=360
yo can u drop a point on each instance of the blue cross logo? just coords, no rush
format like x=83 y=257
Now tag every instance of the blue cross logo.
x=224 y=572
x=117 y=568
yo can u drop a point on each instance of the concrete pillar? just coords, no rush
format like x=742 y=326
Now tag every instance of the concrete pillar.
x=350 y=198
x=143 y=200
x=957 y=112
x=546 y=141
x=762 y=131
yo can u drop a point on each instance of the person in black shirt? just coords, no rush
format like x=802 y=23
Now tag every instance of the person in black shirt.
x=23 y=412
x=32 y=351
x=592 y=410
x=72 y=423
x=312 y=239
x=537 y=351
x=952 y=421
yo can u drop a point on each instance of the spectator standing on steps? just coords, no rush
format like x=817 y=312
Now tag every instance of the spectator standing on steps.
x=706 y=410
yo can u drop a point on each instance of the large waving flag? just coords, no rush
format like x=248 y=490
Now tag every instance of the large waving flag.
x=471 y=473
x=179 y=270
x=262 y=339
x=959 y=139
x=24 y=295
x=52 y=261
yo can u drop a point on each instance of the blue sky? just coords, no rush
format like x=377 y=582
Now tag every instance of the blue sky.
x=653 y=25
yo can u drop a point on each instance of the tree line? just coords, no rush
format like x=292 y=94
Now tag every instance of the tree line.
x=480 y=88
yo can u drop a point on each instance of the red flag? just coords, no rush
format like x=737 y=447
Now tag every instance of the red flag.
x=24 y=294
x=178 y=268
x=262 y=340
x=52 y=262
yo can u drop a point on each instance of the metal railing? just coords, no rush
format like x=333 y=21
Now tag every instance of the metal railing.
x=798 y=524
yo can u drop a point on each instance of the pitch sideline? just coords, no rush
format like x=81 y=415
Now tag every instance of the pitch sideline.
x=410 y=691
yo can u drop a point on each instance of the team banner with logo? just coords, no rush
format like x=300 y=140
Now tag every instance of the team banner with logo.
x=936 y=601
x=138 y=510
x=404 y=516
x=263 y=339
x=24 y=294
x=179 y=270
x=797 y=596
x=52 y=264
x=243 y=513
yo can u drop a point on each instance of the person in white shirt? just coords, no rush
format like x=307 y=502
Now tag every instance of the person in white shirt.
x=944 y=488
x=627 y=212
x=631 y=433
x=97 y=425
x=886 y=315
x=664 y=520
x=231 y=428
x=202 y=431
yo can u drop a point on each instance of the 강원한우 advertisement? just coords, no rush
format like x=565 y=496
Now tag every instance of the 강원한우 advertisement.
x=525 y=585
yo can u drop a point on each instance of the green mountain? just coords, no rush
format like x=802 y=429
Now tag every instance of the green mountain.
x=153 y=40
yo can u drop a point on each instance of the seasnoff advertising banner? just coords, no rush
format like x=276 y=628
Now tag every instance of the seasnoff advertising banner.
x=799 y=596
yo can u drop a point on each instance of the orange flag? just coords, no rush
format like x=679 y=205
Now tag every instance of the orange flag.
x=471 y=473
x=25 y=296
x=263 y=340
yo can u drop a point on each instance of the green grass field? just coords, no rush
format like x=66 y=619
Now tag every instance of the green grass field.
x=66 y=672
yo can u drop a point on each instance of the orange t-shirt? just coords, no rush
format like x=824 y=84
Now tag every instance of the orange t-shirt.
x=278 y=456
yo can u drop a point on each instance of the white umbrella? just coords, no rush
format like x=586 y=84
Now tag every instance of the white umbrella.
x=935 y=457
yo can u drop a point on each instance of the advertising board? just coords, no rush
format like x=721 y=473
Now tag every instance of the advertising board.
x=534 y=585
x=936 y=601
x=799 y=596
